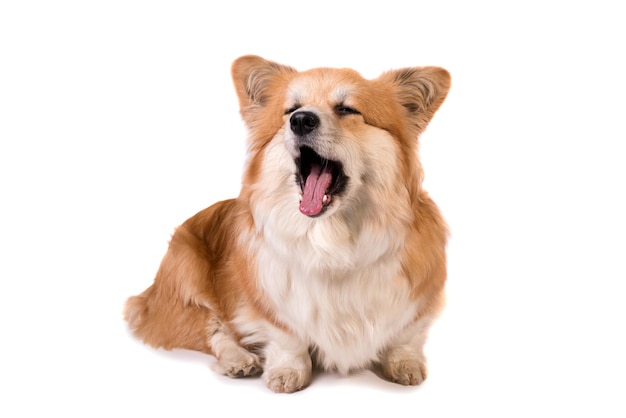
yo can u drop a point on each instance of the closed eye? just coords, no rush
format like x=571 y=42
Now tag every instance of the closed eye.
x=343 y=110
x=292 y=109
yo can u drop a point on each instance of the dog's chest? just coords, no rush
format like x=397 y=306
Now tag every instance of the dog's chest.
x=347 y=317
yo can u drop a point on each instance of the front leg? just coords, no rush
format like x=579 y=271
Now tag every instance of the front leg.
x=404 y=365
x=288 y=364
x=404 y=362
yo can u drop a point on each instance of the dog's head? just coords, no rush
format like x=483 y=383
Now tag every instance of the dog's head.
x=327 y=140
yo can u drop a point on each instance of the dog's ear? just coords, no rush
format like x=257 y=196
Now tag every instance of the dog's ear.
x=256 y=80
x=420 y=90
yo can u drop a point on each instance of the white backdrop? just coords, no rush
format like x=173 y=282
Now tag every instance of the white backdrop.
x=118 y=121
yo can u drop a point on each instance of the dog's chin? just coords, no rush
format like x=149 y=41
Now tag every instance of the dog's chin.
x=322 y=182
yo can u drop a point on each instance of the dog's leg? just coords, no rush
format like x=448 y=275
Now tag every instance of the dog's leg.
x=287 y=363
x=232 y=359
x=405 y=362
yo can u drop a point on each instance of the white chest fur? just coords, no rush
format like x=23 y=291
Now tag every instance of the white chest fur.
x=347 y=315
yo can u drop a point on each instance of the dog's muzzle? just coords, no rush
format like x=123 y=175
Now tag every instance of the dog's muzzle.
x=320 y=178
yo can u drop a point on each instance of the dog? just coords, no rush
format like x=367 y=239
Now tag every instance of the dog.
x=332 y=256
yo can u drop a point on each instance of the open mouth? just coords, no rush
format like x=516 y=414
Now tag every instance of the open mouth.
x=320 y=180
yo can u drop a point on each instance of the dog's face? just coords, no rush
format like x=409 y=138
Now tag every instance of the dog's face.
x=328 y=141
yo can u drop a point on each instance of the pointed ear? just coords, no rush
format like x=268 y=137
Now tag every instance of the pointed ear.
x=420 y=90
x=255 y=80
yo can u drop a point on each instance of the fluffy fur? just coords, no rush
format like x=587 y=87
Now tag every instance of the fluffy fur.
x=332 y=254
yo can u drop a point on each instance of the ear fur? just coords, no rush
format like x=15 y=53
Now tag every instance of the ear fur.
x=420 y=90
x=255 y=81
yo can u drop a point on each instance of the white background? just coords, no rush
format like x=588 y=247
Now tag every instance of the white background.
x=118 y=121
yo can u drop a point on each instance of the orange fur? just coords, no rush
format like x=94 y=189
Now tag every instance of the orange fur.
x=219 y=287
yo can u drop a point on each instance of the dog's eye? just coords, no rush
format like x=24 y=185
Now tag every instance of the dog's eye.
x=346 y=110
x=292 y=109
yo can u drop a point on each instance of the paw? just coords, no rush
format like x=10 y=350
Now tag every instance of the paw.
x=287 y=380
x=238 y=363
x=409 y=372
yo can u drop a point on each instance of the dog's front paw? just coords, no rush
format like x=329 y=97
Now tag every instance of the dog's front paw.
x=409 y=372
x=287 y=380
x=238 y=363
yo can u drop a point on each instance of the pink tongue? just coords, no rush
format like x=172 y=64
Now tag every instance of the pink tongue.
x=317 y=183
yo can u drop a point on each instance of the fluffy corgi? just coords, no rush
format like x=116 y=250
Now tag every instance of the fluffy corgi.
x=332 y=255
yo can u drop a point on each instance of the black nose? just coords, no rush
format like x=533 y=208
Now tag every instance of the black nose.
x=303 y=122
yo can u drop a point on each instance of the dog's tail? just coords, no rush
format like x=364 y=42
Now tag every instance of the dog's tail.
x=136 y=311
x=137 y=314
x=163 y=323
